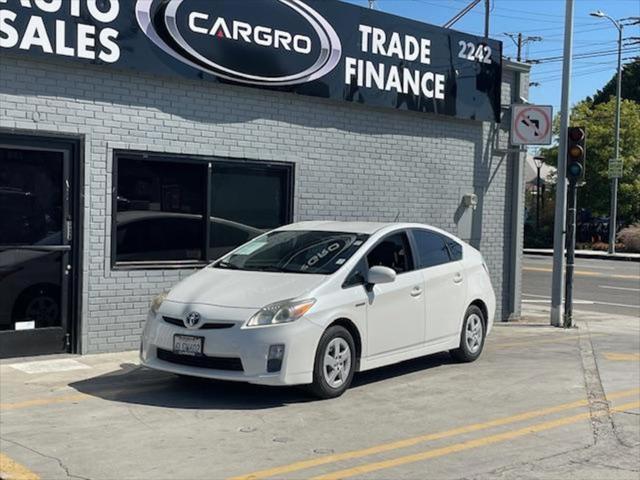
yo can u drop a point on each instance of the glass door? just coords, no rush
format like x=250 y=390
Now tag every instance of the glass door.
x=35 y=250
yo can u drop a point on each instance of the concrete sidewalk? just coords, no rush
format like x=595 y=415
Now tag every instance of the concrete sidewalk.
x=633 y=257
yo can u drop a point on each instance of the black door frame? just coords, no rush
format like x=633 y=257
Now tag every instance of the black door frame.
x=71 y=146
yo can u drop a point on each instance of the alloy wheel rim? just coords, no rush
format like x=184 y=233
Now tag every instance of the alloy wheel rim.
x=473 y=333
x=336 y=364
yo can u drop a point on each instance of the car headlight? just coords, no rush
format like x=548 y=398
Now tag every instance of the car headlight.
x=281 y=312
x=157 y=301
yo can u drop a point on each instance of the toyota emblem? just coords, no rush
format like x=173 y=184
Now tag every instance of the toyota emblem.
x=192 y=320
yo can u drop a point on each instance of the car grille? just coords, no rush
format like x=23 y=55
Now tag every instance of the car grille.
x=202 y=361
x=205 y=326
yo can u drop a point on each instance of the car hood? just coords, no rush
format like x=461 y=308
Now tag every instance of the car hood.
x=242 y=289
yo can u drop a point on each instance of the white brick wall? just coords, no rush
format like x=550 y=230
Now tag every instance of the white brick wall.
x=352 y=163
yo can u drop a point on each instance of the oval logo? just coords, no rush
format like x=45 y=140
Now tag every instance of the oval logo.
x=192 y=320
x=276 y=43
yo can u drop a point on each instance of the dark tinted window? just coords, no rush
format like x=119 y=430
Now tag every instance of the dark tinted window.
x=160 y=210
x=455 y=249
x=30 y=196
x=246 y=200
x=393 y=252
x=432 y=249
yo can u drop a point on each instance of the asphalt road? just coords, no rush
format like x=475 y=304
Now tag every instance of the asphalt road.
x=605 y=286
x=540 y=403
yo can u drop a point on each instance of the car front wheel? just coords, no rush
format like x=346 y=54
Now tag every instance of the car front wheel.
x=471 y=337
x=334 y=363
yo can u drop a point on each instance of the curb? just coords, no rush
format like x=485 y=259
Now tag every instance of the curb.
x=581 y=254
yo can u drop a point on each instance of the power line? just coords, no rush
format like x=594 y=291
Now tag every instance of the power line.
x=559 y=58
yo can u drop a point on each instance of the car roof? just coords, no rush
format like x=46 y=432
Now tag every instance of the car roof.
x=353 y=227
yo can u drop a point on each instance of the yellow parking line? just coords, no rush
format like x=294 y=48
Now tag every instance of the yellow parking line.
x=462 y=446
x=77 y=397
x=44 y=401
x=12 y=470
x=622 y=357
x=584 y=273
x=570 y=338
x=385 y=447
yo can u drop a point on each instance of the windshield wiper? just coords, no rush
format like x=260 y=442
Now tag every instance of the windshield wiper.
x=228 y=265
x=266 y=268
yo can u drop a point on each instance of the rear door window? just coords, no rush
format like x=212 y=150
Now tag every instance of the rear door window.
x=432 y=248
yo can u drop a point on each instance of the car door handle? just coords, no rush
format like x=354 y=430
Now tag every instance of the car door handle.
x=416 y=292
x=457 y=278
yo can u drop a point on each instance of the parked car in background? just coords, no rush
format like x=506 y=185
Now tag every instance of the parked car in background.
x=314 y=302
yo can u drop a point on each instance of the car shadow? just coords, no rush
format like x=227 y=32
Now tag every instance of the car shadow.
x=134 y=384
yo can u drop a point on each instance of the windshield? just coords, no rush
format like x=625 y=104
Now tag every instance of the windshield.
x=295 y=251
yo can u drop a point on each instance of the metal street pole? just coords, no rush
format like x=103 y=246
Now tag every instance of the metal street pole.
x=571 y=253
x=538 y=201
x=561 y=185
x=614 y=181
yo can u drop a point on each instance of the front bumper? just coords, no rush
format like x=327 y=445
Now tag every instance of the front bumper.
x=250 y=345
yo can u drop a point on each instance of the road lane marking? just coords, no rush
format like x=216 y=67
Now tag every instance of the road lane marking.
x=621 y=357
x=12 y=470
x=620 y=288
x=584 y=273
x=467 y=445
x=408 y=442
x=583 y=302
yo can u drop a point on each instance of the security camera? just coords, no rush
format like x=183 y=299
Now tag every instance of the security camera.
x=523 y=100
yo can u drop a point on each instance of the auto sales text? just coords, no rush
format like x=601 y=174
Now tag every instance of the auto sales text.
x=68 y=38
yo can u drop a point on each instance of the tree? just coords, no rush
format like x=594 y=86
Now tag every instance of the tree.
x=599 y=121
x=630 y=85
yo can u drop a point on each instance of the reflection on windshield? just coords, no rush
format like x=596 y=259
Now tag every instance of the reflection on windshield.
x=295 y=252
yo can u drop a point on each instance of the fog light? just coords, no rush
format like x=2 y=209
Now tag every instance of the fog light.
x=274 y=360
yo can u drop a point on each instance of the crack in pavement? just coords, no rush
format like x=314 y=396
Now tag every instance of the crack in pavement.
x=601 y=419
x=44 y=455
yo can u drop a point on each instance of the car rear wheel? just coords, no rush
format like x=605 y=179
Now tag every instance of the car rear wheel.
x=471 y=337
x=334 y=363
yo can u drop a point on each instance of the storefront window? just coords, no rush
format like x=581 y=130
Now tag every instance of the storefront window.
x=246 y=201
x=169 y=212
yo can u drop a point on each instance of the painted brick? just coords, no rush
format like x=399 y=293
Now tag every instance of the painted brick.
x=352 y=163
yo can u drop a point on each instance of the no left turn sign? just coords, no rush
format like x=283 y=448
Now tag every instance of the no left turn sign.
x=531 y=124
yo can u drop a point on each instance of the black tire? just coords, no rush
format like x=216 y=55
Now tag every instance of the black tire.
x=40 y=303
x=320 y=386
x=466 y=353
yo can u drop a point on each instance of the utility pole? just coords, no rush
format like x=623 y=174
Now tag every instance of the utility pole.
x=561 y=184
x=613 y=217
x=614 y=181
x=487 y=14
x=521 y=41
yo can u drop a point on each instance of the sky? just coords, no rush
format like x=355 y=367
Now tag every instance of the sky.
x=543 y=18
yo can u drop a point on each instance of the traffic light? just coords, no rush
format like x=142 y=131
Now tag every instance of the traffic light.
x=576 y=153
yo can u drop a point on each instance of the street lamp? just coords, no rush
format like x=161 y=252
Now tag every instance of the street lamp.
x=539 y=161
x=614 y=180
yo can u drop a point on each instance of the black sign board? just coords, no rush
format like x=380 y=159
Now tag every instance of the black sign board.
x=322 y=48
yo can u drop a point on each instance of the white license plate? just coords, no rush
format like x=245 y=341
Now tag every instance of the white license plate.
x=187 y=345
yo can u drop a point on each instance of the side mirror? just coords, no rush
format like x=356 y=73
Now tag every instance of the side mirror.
x=380 y=274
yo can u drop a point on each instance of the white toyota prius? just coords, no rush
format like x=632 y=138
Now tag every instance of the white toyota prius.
x=313 y=302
